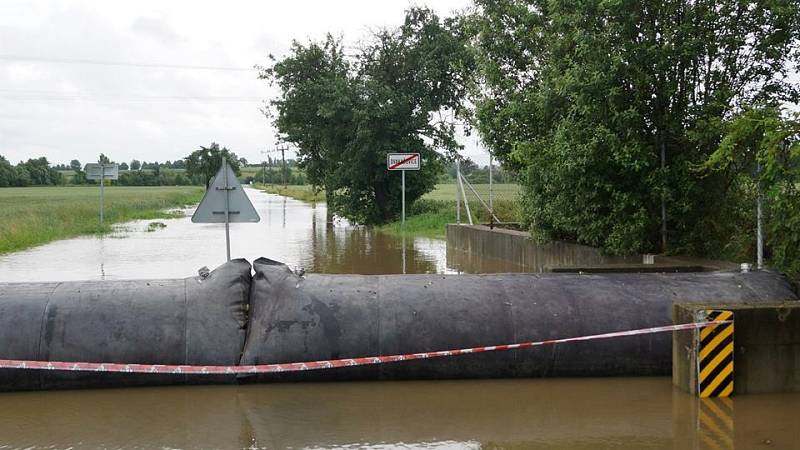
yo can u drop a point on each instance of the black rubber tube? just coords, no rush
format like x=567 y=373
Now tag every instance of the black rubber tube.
x=185 y=321
x=342 y=316
x=203 y=321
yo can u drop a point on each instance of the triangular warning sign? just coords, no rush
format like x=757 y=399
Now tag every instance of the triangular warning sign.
x=225 y=190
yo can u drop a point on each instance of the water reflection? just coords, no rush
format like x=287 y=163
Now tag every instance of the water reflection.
x=635 y=413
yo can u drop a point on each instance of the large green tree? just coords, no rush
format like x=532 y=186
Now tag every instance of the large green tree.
x=315 y=109
x=587 y=99
x=205 y=162
x=398 y=94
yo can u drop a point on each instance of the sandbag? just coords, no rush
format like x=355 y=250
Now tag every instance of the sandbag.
x=182 y=321
x=320 y=317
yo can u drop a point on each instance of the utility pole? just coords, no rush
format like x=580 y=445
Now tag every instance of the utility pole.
x=283 y=159
x=264 y=168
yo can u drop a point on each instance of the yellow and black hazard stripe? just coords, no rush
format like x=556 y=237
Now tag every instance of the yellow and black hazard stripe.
x=716 y=424
x=715 y=356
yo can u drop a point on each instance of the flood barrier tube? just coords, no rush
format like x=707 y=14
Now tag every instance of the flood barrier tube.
x=197 y=320
x=320 y=317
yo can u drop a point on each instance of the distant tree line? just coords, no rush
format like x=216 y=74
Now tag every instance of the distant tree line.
x=32 y=172
x=195 y=169
x=478 y=174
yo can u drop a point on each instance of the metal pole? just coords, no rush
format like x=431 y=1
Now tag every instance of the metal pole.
x=283 y=157
x=102 y=194
x=759 y=221
x=404 y=198
x=491 y=186
x=464 y=197
x=458 y=192
x=663 y=199
x=478 y=196
x=227 y=208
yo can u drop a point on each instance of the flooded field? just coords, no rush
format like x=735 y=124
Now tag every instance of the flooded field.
x=290 y=231
x=619 y=413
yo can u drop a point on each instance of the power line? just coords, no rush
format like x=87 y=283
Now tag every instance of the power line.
x=42 y=95
x=97 y=62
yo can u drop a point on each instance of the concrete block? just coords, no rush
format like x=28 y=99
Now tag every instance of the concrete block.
x=766 y=347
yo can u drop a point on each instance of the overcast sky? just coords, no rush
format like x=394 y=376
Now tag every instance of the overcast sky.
x=54 y=106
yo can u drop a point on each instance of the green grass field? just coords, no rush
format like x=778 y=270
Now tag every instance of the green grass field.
x=501 y=192
x=36 y=215
x=303 y=192
x=430 y=215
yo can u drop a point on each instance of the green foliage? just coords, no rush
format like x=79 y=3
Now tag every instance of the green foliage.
x=35 y=171
x=581 y=97
x=761 y=148
x=157 y=178
x=8 y=175
x=205 y=162
x=345 y=116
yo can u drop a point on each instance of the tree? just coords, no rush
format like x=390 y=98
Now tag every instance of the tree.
x=760 y=153
x=315 y=109
x=206 y=161
x=103 y=159
x=75 y=165
x=588 y=99
x=123 y=166
x=8 y=174
x=23 y=177
x=135 y=164
x=346 y=116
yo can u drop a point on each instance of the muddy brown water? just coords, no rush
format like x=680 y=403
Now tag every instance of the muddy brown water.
x=618 y=413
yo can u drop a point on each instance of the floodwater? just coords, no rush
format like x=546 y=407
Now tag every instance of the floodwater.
x=618 y=413
x=290 y=231
x=613 y=413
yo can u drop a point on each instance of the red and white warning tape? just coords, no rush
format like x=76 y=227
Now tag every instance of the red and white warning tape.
x=325 y=364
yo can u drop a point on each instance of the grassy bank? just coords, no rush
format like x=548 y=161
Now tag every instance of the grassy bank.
x=304 y=192
x=427 y=218
x=37 y=215
x=430 y=215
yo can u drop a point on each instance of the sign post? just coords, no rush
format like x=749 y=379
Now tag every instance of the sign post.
x=403 y=162
x=224 y=202
x=102 y=172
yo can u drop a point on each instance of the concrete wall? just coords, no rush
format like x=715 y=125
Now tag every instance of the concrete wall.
x=766 y=347
x=515 y=247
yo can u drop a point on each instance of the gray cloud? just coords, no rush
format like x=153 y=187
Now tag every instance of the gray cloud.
x=156 y=28
x=78 y=110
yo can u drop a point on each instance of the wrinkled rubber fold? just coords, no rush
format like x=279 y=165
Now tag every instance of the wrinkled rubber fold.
x=231 y=317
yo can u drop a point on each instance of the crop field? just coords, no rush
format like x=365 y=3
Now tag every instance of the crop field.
x=501 y=192
x=37 y=215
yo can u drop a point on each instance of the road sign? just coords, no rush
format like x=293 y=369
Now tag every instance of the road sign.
x=104 y=171
x=224 y=202
x=402 y=161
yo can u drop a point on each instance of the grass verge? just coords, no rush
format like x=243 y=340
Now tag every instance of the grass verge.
x=303 y=192
x=37 y=215
x=426 y=218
